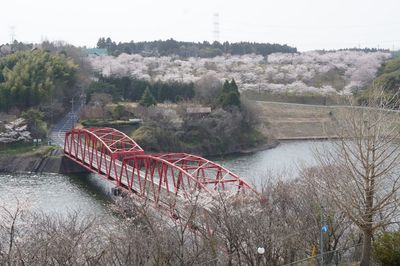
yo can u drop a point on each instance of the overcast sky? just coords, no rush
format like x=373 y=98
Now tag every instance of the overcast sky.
x=305 y=24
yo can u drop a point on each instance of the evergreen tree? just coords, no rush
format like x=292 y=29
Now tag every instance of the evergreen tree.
x=233 y=87
x=230 y=95
x=227 y=87
x=101 y=43
x=147 y=98
x=231 y=99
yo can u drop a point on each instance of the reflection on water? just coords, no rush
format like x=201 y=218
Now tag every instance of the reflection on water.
x=55 y=193
x=286 y=158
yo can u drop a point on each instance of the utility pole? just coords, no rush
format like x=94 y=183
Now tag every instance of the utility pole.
x=323 y=230
x=12 y=37
x=72 y=112
x=216 y=27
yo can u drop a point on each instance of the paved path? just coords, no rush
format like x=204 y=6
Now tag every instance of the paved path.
x=57 y=132
x=327 y=106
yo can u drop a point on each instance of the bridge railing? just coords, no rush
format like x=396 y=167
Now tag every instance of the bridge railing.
x=169 y=179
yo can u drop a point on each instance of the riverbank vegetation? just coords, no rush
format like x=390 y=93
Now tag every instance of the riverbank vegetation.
x=22 y=148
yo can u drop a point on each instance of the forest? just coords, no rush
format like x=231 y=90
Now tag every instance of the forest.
x=191 y=49
x=126 y=88
x=28 y=79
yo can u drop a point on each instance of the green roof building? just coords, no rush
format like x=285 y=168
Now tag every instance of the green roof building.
x=94 y=51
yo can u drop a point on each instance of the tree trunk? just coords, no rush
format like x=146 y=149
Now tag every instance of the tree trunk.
x=367 y=248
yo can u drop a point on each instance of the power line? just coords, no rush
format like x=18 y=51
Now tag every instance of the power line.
x=216 y=27
x=12 y=34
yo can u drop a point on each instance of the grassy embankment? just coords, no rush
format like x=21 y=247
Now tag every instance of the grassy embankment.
x=25 y=149
x=314 y=99
x=287 y=121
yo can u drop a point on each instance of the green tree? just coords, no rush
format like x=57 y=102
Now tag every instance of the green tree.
x=36 y=124
x=147 y=98
x=233 y=86
x=101 y=43
x=231 y=99
x=230 y=95
x=226 y=88
x=31 y=78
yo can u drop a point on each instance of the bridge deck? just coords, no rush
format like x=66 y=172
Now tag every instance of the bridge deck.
x=170 y=180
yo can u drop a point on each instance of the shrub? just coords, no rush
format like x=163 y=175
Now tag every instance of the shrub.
x=387 y=249
x=118 y=112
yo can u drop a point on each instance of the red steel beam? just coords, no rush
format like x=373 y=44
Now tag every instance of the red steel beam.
x=162 y=177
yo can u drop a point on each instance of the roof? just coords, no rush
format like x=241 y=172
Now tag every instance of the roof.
x=95 y=51
x=198 y=110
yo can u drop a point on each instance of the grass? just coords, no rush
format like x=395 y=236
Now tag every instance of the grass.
x=107 y=123
x=315 y=99
x=122 y=125
x=22 y=148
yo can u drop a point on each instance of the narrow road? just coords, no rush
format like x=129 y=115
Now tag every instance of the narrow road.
x=328 y=106
x=57 y=131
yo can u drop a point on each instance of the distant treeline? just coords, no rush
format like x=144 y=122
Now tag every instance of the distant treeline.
x=355 y=49
x=191 y=49
x=131 y=89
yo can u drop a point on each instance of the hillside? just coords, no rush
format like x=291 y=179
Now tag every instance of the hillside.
x=286 y=121
x=324 y=73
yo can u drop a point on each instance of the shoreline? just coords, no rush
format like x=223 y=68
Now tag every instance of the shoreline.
x=52 y=162
x=269 y=145
x=308 y=138
x=55 y=162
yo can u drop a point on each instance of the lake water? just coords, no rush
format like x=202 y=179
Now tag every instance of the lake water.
x=90 y=193
x=286 y=159
x=55 y=193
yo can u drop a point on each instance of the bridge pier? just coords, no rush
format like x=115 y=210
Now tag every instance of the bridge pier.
x=68 y=166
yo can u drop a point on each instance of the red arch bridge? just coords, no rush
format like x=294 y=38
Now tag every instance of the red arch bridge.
x=161 y=178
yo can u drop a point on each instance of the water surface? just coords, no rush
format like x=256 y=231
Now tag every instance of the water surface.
x=90 y=193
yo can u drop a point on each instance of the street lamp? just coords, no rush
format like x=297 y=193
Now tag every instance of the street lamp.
x=260 y=252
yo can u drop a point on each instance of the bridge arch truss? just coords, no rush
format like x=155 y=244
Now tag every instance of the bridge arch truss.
x=161 y=178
